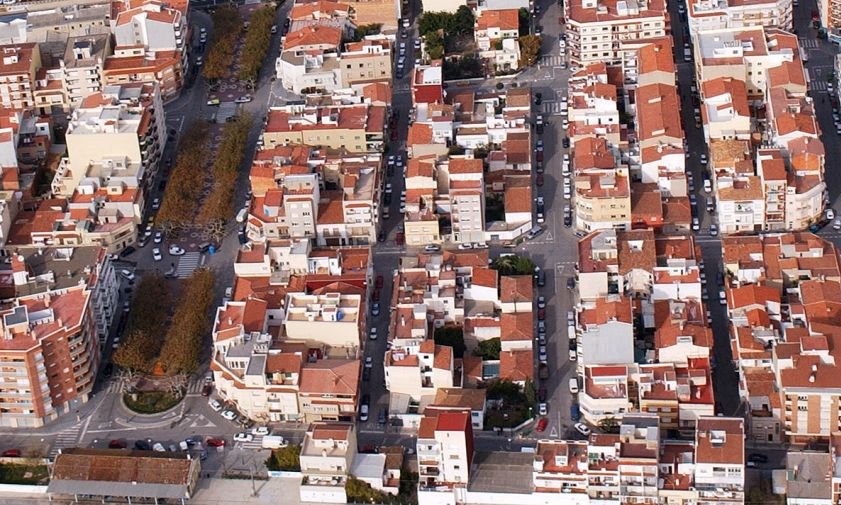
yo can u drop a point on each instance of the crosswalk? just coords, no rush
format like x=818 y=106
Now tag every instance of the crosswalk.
x=193 y=387
x=551 y=60
x=808 y=43
x=256 y=443
x=552 y=108
x=187 y=263
x=67 y=438
x=817 y=85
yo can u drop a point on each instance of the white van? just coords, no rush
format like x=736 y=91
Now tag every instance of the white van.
x=241 y=215
x=573 y=385
x=571 y=332
x=273 y=442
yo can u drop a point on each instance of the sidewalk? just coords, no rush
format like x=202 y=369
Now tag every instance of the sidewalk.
x=233 y=492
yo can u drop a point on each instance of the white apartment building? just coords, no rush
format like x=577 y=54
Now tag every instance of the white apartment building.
x=606 y=332
x=327 y=454
x=445 y=453
x=310 y=59
x=604 y=393
x=705 y=15
x=740 y=204
x=720 y=460
x=155 y=26
x=414 y=373
x=82 y=66
x=594 y=27
x=330 y=320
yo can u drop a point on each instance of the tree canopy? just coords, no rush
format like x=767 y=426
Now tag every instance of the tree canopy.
x=452 y=336
x=182 y=191
x=190 y=323
x=146 y=325
x=489 y=349
x=227 y=25
x=529 y=50
x=513 y=265
x=257 y=42
x=461 y=22
x=218 y=206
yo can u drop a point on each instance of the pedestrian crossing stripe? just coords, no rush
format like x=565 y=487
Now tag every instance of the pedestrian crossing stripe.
x=553 y=108
x=808 y=43
x=817 y=85
x=66 y=439
x=551 y=61
x=187 y=264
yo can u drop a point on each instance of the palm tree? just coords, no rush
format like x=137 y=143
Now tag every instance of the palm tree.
x=513 y=265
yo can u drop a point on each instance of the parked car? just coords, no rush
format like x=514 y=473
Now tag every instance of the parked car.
x=758 y=458
x=375 y=309
x=583 y=429
x=156 y=254
x=215 y=442
x=541 y=425
x=127 y=275
x=243 y=99
x=542 y=408
x=243 y=437
x=117 y=444
x=174 y=250
x=142 y=445
x=230 y=415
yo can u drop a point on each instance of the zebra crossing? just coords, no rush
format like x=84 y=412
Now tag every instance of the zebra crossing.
x=67 y=438
x=553 y=108
x=808 y=43
x=256 y=443
x=194 y=386
x=551 y=60
x=817 y=84
x=187 y=264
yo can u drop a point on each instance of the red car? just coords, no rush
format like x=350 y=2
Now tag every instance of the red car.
x=540 y=179
x=541 y=425
x=11 y=453
x=541 y=314
x=215 y=442
x=117 y=444
x=375 y=295
x=379 y=281
x=539 y=155
x=393 y=134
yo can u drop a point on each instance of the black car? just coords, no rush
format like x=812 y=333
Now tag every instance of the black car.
x=382 y=417
x=381 y=236
x=142 y=445
x=366 y=374
x=759 y=459
x=541 y=278
x=539 y=129
x=107 y=370
x=565 y=142
x=567 y=220
x=127 y=251
x=541 y=395
x=571 y=283
x=538 y=98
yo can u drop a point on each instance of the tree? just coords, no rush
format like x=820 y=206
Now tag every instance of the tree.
x=466 y=67
x=257 y=42
x=285 y=459
x=146 y=325
x=365 y=30
x=218 y=206
x=359 y=491
x=505 y=390
x=182 y=192
x=434 y=46
x=524 y=21
x=489 y=349
x=452 y=336
x=513 y=265
x=529 y=50
x=191 y=321
x=227 y=26
x=463 y=20
x=609 y=424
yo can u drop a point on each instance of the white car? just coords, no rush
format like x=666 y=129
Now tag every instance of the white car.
x=369 y=362
x=243 y=99
x=243 y=437
x=722 y=297
x=431 y=248
x=230 y=415
x=572 y=355
x=583 y=429
x=542 y=354
x=156 y=204
x=174 y=250
x=215 y=405
x=156 y=254
x=373 y=334
x=260 y=431
x=159 y=237
x=830 y=214
x=696 y=225
x=127 y=275
x=542 y=408
x=573 y=385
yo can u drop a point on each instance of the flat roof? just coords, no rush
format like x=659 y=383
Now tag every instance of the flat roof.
x=502 y=472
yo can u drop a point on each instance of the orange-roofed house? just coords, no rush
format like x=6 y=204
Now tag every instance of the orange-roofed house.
x=327 y=454
x=724 y=111
x=356 y=128
x=736 y=14
x=331 y=321
x=18 y=70
x=421 y=142
x=493 y=25
x=445 y=455
x=740 y=204
x=604 y=393
x=367 y=61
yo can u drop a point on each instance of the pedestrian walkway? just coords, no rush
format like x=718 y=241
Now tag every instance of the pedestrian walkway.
x=187 y=264
x=553 y=108
x=65 y=439
x=551 y=60
x=195 y=385
x=808 y=43
x=817 y=85
x=256 y=443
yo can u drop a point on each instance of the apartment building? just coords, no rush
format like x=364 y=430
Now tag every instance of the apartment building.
x=355 y=128
x=605 y=332
x=595 y=27
x=703 y=15
x=602 y=191
x=493 y=25
x=367 y=61
x=604 y=393
x=291 y=211
x=812 y=476
x=49 y=356
x=327 y=454
x=428 y=84
x=82 y=67
x=720 y=460
x=310 y=59
x=445 y=454
x=331 y=321
x=466 y=195
x=151 y=45
x=414 y=373
x=592 y=106
x=616 y=262
x=18 y=74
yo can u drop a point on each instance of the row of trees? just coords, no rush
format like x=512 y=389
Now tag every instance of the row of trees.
x=460 y=23
x=256 y=42
x=146 y=325
x=466 y=67
x=513 y=265
x=183 y=343
x=363 y=31
x=529 y=50
x=218 y=206
x=184 y=188
x=227 y=26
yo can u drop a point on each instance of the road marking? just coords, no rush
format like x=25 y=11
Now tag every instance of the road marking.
x=554 y=432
